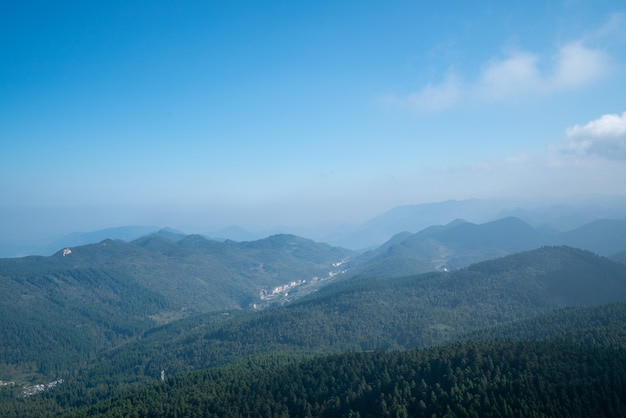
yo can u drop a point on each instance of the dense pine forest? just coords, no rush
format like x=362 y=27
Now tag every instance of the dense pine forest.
x=563 y=368
x=548 y=378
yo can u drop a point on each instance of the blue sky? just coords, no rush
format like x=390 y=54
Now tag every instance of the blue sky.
x=205 y=113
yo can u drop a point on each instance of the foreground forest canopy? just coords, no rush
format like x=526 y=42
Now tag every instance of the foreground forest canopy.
x=548 y=378
x=570 y=363
x=105 y=330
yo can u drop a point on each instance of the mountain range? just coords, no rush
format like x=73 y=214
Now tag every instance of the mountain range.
x=558 y=214
x=371 y=313
x=354 y=314
x=82 y=300
x=461 y=243
x=109 y=317
x=552 y=213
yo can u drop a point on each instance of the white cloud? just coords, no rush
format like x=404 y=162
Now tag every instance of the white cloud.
x=522 y=74
x=520 y=160
x=576 y=65
x=604 y=137
x=513 y=162
x=503 y=78
x=436 y=96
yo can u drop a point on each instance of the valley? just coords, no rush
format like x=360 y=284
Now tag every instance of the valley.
x=296 y=289
x=106 y=320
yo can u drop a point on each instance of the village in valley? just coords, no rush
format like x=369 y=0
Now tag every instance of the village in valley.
x=284 y=293
x=30 y=390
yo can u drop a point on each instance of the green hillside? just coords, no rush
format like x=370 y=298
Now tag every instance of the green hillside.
x=58 y=312
x=375 y=314
x=200 y=275
x=367 y=315
x=603 y=325
x=55 y=316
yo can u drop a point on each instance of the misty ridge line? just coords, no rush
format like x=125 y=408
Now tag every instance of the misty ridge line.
x=555 y=214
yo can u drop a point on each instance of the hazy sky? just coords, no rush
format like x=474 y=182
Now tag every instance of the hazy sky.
x=264 y=113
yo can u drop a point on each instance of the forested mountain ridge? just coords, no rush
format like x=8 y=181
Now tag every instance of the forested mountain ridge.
x=460 y=243
x=84 y=299
x=190 y=272
x=430 y=308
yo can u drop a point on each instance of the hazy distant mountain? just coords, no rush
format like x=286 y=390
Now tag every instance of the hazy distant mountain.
x=461 y=243
x=549 y=214
x=234 y=233
x=413 y=218
x=125 y=233
x=603 y=236
x=560 y=214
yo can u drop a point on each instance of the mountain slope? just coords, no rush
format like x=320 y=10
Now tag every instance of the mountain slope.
x=74 y=304
x=56 y=315
x=603 y=325
x=367 y=314
x=603 y=236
